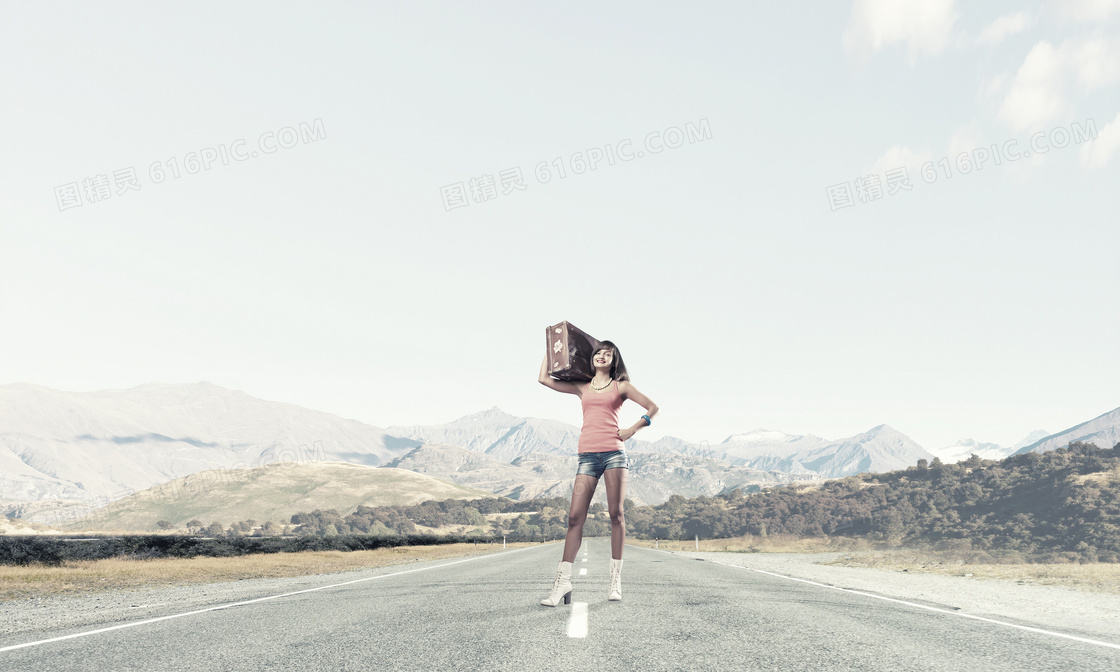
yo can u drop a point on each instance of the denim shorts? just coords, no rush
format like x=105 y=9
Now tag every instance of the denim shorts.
x=594 y=464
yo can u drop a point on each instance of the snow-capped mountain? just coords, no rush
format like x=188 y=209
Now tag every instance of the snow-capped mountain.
x=966 y=448
x=1103 y=430
x=496 y=433
x=766 y=449
x=1033 y=437
x=879 y=449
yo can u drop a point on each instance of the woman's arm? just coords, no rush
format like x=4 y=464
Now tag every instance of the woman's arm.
x=558 y=385
x=630 y=392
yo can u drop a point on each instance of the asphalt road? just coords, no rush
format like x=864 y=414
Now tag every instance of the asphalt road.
x=483 y=613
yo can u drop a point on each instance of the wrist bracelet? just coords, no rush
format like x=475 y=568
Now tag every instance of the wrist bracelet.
x=648 y=421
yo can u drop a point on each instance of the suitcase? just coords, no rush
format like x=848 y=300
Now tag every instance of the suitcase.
x=569 y=352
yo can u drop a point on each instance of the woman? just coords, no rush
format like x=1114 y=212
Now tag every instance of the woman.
x=601 y=453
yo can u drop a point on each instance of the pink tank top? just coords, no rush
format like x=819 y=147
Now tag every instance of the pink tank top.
x=600 y=420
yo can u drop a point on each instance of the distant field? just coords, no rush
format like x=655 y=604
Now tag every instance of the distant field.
x=117 y=574
x=1095 y=576
x=1101 y=577
x=776 y=543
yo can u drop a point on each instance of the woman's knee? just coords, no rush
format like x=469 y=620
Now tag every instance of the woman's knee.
x=576 y=520
x=617 y=518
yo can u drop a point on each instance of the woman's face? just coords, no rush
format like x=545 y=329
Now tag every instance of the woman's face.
x=603 y=358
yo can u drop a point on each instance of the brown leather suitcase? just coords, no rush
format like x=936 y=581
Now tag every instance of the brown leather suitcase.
x=569 y=352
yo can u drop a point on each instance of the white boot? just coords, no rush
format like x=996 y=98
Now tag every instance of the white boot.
x=562 y=587
x=615 y=592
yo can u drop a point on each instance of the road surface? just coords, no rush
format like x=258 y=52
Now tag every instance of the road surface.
x=483 y=613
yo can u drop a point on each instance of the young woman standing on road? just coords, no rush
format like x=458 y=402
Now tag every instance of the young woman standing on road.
x=601 y=453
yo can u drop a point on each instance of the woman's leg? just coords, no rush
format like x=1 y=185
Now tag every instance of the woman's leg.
x=616 y=493
x=582 y=491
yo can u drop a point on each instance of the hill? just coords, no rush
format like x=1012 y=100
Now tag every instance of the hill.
x=273 y=492
x=1059 y=506
x=1103 y=430
x=94 y=447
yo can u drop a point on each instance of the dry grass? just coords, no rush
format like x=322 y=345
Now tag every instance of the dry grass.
x=770 y=544
x=1101 y=577
x=88 y=576
x=17 y=527
x=1097 y=576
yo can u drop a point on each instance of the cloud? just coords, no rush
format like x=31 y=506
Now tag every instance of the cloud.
x=1040 y=92
x=1096 y=153
x=901 y=156
x=964 y=139
x=1005 y=26
x=1087 y=10
x=1034 y=96
x=924 y=26
x=1095 y=62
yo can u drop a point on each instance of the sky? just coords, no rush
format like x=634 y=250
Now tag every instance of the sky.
x=810 y=217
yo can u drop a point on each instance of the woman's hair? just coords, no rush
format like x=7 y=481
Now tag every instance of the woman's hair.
x=618 y=368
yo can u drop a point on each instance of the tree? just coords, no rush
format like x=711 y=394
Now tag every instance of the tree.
x=733 y=496
x=215 y=529
x=379 y=529
x=164 y=524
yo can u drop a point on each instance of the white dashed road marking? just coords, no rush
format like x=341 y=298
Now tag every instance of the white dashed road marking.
x=577 y=622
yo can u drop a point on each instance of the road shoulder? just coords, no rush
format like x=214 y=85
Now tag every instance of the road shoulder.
x=1089 y=614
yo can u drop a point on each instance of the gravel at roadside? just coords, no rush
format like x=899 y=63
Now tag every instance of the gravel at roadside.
x=51 y=616
x=1060 y=608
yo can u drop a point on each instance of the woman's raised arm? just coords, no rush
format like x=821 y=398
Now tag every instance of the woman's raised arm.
x=558 y=385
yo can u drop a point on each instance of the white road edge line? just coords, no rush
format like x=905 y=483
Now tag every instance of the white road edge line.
x=577 y=620
x=922 y=606
x=582 y=571
x=259 y=599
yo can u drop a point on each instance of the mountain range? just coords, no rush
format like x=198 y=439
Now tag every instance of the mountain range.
x=879 y=449
x=85 y=449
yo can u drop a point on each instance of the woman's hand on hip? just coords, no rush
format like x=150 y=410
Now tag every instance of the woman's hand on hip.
x=625 y=434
